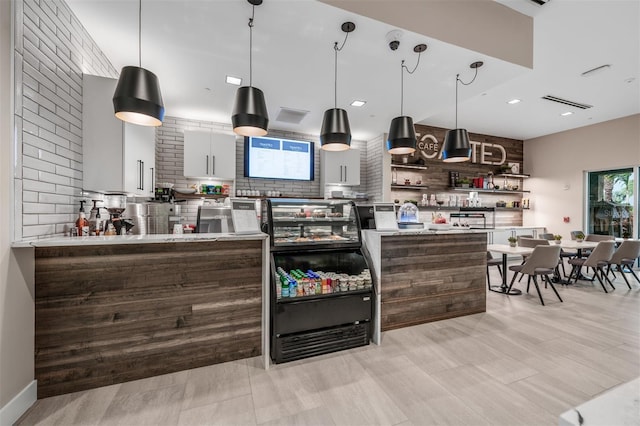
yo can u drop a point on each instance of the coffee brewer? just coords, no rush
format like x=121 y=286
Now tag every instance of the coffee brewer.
x=116 y=225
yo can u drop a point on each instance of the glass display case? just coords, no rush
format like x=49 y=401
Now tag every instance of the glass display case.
x=321 y=288
x=293 y=223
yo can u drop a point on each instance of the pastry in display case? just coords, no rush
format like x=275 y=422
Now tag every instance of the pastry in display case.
x=294 y=222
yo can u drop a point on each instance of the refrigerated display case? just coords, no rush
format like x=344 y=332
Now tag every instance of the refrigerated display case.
x=321 y=292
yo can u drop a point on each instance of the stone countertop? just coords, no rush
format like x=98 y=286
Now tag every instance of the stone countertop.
x=427 y=231
x=135 y=239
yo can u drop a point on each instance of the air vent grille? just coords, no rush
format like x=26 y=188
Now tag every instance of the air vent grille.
x=291 y=116
x=566 y=102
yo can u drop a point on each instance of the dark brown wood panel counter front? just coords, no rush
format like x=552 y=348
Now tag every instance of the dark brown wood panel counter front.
x=112 y=313
x=428 y=277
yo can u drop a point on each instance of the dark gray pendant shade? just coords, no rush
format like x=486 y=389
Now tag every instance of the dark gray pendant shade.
x=402 y=136
x=137 y=98
x=250 y=117
x=335 y=133
x=456 y=146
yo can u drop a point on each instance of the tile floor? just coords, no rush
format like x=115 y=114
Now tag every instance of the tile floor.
x=519 y=363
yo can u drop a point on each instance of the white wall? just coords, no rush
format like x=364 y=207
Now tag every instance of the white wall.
x=557 y=164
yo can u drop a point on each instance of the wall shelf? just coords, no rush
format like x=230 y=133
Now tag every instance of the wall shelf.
x=410 y=187
x=409 y=166
x=513 y=175
x=494 y=191
x=179 y=196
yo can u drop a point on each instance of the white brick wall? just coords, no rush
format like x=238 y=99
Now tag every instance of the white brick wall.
x=52 y=51
x=375 y=151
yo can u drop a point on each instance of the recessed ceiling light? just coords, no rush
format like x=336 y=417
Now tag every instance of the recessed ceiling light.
x=234 y=80
x=357 y=103
x=564 y=114
x=514 y=101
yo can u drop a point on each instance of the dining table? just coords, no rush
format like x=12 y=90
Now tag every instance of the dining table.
x=506 y=250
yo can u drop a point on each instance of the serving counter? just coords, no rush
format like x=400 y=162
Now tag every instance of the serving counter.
x=422 y=276
x=113 y=309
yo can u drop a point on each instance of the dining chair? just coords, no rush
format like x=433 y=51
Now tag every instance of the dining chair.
x=597 y=260
x=624 y=257
x=597 y=238
x=531 y=243
x=491 y=261
x=542 y=261
x=546 y=236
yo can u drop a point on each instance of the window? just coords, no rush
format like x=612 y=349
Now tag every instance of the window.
x=611 y=201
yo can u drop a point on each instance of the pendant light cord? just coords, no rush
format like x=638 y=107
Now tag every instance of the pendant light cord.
x=402 y=68
x=465 y=84
x=337 y=49
x=140 y=33
x=253 y=13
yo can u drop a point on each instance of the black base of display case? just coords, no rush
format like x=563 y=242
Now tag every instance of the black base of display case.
x=311 y=343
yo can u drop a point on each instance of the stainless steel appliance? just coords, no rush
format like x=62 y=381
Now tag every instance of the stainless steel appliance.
x=215 y=219
x=153 y=218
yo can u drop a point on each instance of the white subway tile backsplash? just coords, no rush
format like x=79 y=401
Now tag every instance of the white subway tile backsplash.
x=53 y=178
x=30 y=196
x=45 y=197
x=66 y=171
x=38 y=207
x=38 y=231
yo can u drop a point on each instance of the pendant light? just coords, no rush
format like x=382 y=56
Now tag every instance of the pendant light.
x=456 y=142
x=249 y=116
x=335 y=133
x=402 y=134
x=137 y=98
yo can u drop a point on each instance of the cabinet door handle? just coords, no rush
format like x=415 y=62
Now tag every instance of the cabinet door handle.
x=345 y=173
x=139 y=181
x=153 y=180
x=213 y=165
x=340 y=173
x=142 y=175
x=207 y=164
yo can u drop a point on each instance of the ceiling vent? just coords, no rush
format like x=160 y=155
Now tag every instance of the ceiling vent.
x=540 y=2
x=566 y=102
x=291 y=116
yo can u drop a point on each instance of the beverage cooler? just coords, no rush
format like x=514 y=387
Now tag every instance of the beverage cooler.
x=321 y=288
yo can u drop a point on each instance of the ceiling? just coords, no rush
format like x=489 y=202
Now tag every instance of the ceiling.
x=193 y=45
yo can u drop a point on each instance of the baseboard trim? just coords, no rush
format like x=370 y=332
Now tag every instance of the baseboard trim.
x=19 y=405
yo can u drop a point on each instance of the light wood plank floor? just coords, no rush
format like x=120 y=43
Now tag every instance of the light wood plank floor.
x=519 y=363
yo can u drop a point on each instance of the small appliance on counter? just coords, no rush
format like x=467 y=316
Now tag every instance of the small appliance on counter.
x=214 y=219
x=116 y=205
x=154 y=218
x=408 y=217
x=164 y=194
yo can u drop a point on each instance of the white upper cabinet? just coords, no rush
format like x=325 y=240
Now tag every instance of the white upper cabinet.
x=209 y=155
x=340 y=167
x=116 y=156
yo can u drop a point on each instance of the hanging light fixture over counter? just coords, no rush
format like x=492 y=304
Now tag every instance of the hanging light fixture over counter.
x=402 y=134
x=335 y=133
x=137 y=98
x=456 y=142
x=250 y=116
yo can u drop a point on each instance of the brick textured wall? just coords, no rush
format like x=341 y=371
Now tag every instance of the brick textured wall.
x=170 y=157
x=374 y=172
x=52 y=51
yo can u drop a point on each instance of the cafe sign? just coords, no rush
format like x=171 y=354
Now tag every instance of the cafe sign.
x=481 y=152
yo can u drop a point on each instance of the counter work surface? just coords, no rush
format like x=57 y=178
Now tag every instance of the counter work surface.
x=136 y=239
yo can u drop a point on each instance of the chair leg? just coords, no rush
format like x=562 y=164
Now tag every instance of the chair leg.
x=521 y=277
x=564 y=272
x=499 y=270
x=603 y=275
x=552 y=286
x=528 y=282
x=624 y=276
x=488 y=279
x=512 y=281
x=633 y=273
x=600 y=281
x=573 y=274
x=535 y=282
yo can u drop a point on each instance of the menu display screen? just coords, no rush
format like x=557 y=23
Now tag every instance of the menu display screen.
x=273 y=158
